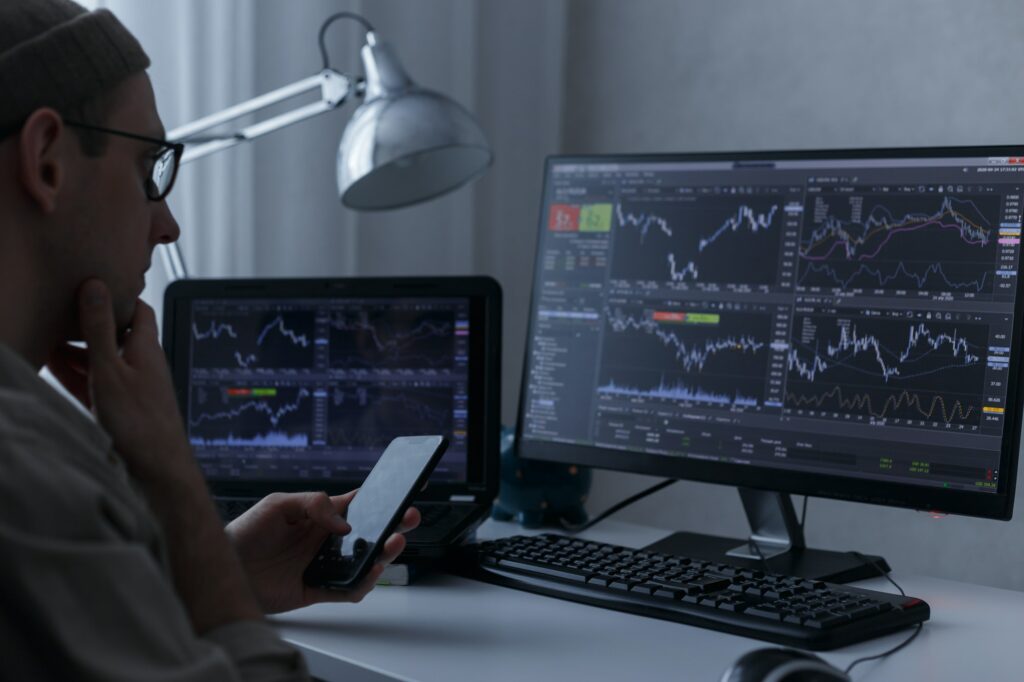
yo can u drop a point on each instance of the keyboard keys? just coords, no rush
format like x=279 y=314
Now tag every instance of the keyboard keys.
x=562 y=572
x=752 y=602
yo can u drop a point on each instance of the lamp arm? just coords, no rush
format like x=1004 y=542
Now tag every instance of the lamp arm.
x=334 y=90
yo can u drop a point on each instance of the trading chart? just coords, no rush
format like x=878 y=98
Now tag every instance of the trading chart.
x=853 y=316
x=326 y=384
x=253 y=340
x=719 y=359
x=381 y=338
x=885 y=369
x=706 y=240
x=917 y=241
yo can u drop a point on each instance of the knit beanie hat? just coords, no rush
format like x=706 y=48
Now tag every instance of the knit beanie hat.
x=55 y=53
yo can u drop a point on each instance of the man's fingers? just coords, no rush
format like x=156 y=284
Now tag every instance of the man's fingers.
x=315 y=506
x=96 y=319
x=323 y=513
x=368 y=582
x=341 y=502
x=411 y=519
x=393 y=546
x=144 y=321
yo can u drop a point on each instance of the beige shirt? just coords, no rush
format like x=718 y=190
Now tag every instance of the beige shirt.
x=85 y=587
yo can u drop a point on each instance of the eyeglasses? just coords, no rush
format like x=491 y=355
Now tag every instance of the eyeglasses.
x=165 y=161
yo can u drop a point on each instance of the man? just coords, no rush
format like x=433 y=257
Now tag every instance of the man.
x=114 y=563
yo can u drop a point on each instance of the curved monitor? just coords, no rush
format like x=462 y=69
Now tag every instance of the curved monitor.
x=843 y=324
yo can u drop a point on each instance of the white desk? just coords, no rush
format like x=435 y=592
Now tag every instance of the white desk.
x=446 y=628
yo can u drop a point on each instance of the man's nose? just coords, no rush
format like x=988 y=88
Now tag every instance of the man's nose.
x=165 y=227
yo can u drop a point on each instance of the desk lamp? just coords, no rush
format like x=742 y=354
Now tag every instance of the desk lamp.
x=404 y=144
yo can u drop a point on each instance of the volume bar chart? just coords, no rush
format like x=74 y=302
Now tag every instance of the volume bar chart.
x=243 y=416
x=717 y=359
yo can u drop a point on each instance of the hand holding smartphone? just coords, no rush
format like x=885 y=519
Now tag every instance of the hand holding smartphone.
x=376 y=511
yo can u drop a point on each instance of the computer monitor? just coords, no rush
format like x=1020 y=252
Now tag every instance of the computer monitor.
x=842 y=324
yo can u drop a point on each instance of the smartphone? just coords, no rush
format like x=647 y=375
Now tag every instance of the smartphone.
x=376 y=511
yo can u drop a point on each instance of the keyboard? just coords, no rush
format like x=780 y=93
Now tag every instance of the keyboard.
x=788 y=610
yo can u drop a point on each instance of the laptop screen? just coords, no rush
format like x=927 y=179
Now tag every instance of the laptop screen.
x=315 y=388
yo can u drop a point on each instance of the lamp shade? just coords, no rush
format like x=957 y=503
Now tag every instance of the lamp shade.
x=405 y=144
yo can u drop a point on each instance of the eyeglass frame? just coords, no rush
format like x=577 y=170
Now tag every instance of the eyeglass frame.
x=177 y=147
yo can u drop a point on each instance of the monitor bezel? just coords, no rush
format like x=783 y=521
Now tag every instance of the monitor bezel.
x=998 y=505
x=483 y=292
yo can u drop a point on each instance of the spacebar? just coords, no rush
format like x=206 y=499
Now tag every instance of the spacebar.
x=545 y=570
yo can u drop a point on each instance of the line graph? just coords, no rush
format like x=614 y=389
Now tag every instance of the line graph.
x=707 y=240
x=258 y=339
x=719 y=359
x=900 y=241
x=250 y=417
x=390 y=338
x=901 y=276
x=692 y=355
x=892 y=405
x=371 y=415
x=873 y=367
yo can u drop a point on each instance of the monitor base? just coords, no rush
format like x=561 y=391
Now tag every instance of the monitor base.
x=814 y=564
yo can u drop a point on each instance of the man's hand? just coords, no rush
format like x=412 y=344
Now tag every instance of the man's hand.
x=133 y=399
x=278 y=538
x=130 y=391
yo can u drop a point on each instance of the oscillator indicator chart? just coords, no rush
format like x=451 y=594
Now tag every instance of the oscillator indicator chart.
x=250 y=416
x=709 y=358
x=703 y=240
x=903 y=241
x=916 y=371
x=256 y=339
x=386 y=338
x=368 y=416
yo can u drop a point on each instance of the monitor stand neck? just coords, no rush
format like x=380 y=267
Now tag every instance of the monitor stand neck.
x=774 y=528
x=776 y=544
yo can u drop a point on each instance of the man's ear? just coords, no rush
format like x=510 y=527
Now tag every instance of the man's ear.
x=41 y=163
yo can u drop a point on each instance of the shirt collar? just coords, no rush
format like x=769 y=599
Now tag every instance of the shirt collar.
x=17 y=374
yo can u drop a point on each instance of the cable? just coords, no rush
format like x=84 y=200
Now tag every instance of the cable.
x=803 y=513
x=330 y=20
x=880 y=570
x=899 y=646
x=890 y=652
x=616 y=507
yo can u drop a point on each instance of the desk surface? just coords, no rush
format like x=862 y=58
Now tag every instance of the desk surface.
x=446 y=628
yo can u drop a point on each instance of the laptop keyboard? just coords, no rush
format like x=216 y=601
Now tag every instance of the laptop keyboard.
x=230 y=508
x=433 y=513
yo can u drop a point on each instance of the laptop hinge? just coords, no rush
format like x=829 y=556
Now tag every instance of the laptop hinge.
x=462 y=498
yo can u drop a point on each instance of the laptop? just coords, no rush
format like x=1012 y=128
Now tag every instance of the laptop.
x=300 y=384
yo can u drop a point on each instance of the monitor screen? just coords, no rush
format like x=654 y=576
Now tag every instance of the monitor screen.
x=844 y=324
x=315 y=388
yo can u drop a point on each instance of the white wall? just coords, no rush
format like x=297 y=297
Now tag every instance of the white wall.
x=661 y=75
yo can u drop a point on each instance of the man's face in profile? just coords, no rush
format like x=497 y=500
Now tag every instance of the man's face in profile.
x=105 y=226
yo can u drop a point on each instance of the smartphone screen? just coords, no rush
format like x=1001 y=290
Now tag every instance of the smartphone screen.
x=376 y=510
